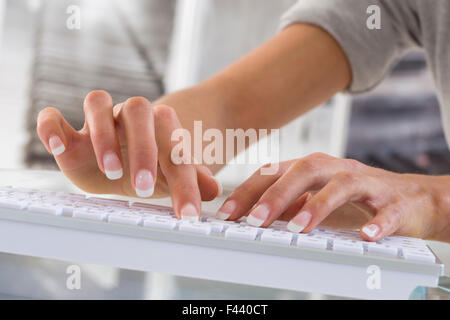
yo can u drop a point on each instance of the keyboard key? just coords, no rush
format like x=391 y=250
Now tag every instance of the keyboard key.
x=47 y=209
x=110 y=202
x=195 y=227
x=228 y=223
x=125 y=218
x=279 y=225
x=348 y=246
x=13 y=204
x=160 y=223
x=218 y=226
x=72 y=196
x=306 y=241
x=420 y=255
x=382 y=249
x=67 y=211
x=152 y=208
x=404 y=241
x=90 y=215
x=276 y=236
x=241 y=232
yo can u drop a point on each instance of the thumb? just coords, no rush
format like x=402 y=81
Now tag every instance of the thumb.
x=386 y=222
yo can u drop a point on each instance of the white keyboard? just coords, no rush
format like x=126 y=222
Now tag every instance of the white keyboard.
x=142 y=215
x=157 y=223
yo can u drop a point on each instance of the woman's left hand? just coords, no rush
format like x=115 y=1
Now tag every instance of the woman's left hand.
x=306 y=191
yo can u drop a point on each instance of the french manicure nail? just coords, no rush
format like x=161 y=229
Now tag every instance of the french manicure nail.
x=371 y=230
x=144 y=184
x=226 y=210
x=189 y=212
x=295 y=228
x=258 y=215
x=56 y=145
x=112 y=165
x=299 y=222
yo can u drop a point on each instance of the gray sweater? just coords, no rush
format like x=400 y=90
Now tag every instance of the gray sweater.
x=405 y=25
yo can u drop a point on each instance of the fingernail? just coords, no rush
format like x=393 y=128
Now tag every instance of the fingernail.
x=371 y=230
x=189 y=212
x=226 y=210
x=299 y=222
x=56 y=145
x=144 y=184
x=112 y=165
x=258 y=215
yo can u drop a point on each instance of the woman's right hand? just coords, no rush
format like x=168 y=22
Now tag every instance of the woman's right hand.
x=126 y=150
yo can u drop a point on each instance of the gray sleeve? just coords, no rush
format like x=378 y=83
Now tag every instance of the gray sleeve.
x=371 y=53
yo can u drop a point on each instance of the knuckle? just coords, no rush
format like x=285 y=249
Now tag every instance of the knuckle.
x=308 y=164
x=347 y=177
x=49 y=111
x=164 y=111
x=47 y=116
x=101 y=135
x=136 y=104
x=319 y=155
x=353 y=164
x=185 y=188
x=97 y=98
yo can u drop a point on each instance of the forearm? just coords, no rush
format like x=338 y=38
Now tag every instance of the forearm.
x=286 y=77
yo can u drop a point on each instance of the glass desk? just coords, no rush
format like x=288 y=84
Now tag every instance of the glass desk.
x=38 y=278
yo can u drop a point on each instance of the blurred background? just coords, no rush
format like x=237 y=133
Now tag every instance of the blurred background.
x=152 y=47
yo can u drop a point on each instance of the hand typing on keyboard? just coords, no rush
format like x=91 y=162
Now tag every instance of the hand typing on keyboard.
x=409 y=205
x=126 y=150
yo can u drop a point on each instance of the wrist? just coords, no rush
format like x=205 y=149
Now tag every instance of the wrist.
x=440 y=190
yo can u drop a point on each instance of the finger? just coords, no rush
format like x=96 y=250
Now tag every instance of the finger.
x=387 y=221
x=136 y=115
x=303 y=175
x=181 y=178
x=247 y=194
x=342 y=188
x=54 y=131
x=210 y=187
x=295 y=207
x=101 y=128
